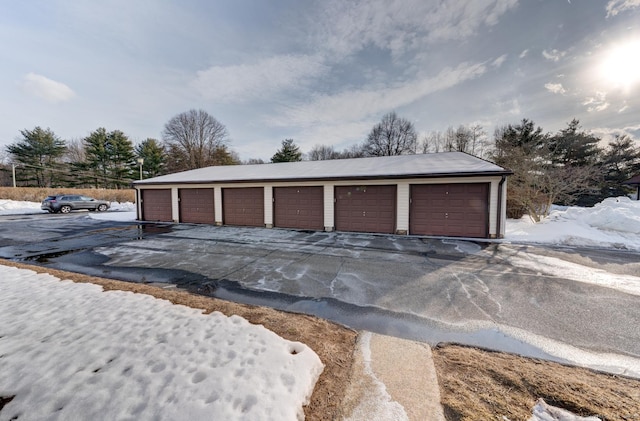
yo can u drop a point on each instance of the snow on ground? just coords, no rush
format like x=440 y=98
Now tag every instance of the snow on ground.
x=72 y=351
x=14 y=207
x=544 y=412
x=117 y=212
x=561 y=268
x=612 y=223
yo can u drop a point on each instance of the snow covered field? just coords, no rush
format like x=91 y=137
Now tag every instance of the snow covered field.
x=70 y=351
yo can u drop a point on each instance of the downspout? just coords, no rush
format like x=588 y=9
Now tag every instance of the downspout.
x=138 y=205
x=499 y=213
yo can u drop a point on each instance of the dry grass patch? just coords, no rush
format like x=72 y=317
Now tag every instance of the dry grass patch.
x=37 y=194
x=333 y=343
x=484 y=385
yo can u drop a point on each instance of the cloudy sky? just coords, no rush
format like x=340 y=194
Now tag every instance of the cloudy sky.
x=320 y=72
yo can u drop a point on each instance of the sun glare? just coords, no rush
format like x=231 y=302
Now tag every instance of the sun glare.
x=621 y=65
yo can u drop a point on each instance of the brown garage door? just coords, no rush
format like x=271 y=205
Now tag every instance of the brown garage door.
x=196 y=206
x=156 y=205
x=366 y=208
x=243 y=206
x=456 y=210
x=299 y=207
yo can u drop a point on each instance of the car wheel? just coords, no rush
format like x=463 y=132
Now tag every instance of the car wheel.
x=102 y=208
x=65 y=209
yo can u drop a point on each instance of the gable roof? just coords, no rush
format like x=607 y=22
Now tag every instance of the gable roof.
x=443 y=164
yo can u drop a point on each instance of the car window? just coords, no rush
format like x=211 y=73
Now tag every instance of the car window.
x=86 y=198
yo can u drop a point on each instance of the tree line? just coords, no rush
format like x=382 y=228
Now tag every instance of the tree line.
x=564 y=168
x=109 y=159
x=568 y=167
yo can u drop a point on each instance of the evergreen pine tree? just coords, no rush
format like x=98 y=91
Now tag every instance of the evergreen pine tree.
x=288 y=152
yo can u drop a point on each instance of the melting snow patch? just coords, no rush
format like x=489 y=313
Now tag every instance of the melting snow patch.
x=575 y=272
x=544 y=412
x=465 y=247
x=72 y=351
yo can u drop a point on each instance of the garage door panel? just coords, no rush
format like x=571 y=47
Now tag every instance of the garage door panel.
x=156 y=205
x=299 y=207
x=243 y=206
x=365 y=208
x=450 y=209
x=196 y=206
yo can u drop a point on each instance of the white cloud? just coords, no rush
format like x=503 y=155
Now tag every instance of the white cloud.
x=524 y=53
x=45 y=88
x=624 y=107
x=597 y=102
x=400 y=26
x=246 y=82
x=616 y=6
x=354 y=105
x=555 y=88
x=608 y=134
x=553 y=55
x=514 y=108
x=499 y=61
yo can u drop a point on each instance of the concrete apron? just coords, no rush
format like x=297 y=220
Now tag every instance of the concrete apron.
x=392 y=379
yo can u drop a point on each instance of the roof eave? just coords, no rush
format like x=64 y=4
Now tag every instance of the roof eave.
x=343 y=178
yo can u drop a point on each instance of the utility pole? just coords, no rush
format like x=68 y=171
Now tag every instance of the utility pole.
x=13 y=173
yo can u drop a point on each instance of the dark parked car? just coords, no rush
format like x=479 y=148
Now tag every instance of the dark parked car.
x=65 y=203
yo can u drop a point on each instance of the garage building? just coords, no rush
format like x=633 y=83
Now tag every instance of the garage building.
x=450 y=194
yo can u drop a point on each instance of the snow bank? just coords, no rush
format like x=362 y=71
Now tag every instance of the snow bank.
x=122 y=207
x=612 y=223
x=14 y=207
x=71 y=351
x=117 y=212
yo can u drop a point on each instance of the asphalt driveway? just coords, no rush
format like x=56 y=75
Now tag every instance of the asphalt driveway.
x=496 y=295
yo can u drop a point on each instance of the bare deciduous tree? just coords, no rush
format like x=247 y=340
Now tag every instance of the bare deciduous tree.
x=470 y=139
x=75 y=151
x=392 y=136
x=479 y=141
x=355 y=151
x=322 y=153
x=193 y=140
